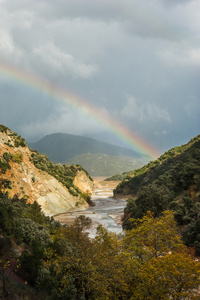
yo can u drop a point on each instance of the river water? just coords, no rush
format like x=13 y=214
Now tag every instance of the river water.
x=106 y=211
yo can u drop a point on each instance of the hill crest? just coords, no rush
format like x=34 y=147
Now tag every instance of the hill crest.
x=98 y=158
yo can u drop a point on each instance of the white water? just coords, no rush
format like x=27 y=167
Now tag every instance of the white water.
x=107 y=211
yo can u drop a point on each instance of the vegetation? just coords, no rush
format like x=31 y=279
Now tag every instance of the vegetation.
x=19 y=141
x=17 y=157
x=3 y=128
x=99 y=158
x=41 y=259
x=151 y=167
x=63 y=173
x=16 y=139
x=137 y=179
x=118 y=177
x=62 y=262
x=106 y=165
x=4 y=166
x=7 y=157
x=171 y=182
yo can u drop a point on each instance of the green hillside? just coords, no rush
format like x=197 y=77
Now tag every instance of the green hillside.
x=170 y=182
x=98 y=158
x=106 y=165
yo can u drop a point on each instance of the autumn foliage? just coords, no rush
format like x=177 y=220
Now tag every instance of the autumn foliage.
x=62 y=262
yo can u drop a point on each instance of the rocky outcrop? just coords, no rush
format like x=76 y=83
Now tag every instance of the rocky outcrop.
x=58 y=199
x=82 y=181
x=31 y=183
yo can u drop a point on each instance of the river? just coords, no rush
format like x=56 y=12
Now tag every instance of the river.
x=106 y=211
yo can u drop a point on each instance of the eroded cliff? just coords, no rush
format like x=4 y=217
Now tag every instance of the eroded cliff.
x=22 y=172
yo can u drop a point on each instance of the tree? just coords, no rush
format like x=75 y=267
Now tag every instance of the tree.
x=34 y=212
x=153 y=237
x=153 y=198
x=173 y=276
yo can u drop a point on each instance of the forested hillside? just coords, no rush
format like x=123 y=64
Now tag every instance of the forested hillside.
x=170 y=182
x=40 y=259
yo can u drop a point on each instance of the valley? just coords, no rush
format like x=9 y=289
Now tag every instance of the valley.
x=98 y=158
x=106 y=210
x=89 y=258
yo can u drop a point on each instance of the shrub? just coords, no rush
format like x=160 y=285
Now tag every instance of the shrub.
x=7 y=156
x=4 y=166
x=28 y=230
x=19 y=141
x=3 y=128
x=17 y=157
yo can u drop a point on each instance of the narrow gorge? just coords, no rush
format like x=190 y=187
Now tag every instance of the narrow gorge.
x=106 y=210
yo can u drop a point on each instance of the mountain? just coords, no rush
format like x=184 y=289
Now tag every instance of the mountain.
x=31 y=176
x=98 y=158
x=106 y=165
x=172 y=182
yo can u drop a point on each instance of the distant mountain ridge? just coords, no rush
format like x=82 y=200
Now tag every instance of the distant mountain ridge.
x=71 y=145
x=67 y=148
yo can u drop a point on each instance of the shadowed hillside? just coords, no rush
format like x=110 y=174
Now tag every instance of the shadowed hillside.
x=98 y=158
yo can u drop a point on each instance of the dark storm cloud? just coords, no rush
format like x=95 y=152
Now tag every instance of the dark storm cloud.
x=135 y=60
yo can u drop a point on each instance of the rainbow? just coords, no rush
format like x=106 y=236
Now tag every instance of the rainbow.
x=120 y=131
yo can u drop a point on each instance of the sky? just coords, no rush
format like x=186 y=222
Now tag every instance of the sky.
x=137 y=62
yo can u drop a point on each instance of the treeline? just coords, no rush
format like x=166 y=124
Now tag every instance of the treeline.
x=171 y=182
x=41 y=259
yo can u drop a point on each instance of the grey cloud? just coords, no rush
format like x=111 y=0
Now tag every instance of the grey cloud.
x=182 y=57
x=176 y=2
x=135 y=60
x=139 y=17
x=144 y=112
x=60 y=61
x=61 y=120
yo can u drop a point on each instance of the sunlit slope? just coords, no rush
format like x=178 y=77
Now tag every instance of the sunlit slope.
x=170 y=182
x=169 y=162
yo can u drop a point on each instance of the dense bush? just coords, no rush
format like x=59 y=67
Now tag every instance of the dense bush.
x=27 y=230
x=3 y=128
x=19 y=141
x=17 y=157
x=7 y=156
x=4 y=166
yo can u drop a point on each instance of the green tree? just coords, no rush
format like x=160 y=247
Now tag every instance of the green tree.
x=153 y=237
x=34 y=212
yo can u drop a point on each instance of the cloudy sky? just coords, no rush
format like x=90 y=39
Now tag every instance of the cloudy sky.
x=136 y=61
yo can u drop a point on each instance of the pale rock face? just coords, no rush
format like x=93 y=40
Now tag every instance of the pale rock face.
x=82 y=181
x=54 y=198
x=59 y=202
x=39 y=186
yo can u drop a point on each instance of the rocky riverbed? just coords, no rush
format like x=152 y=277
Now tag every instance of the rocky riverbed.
x=106 y=211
